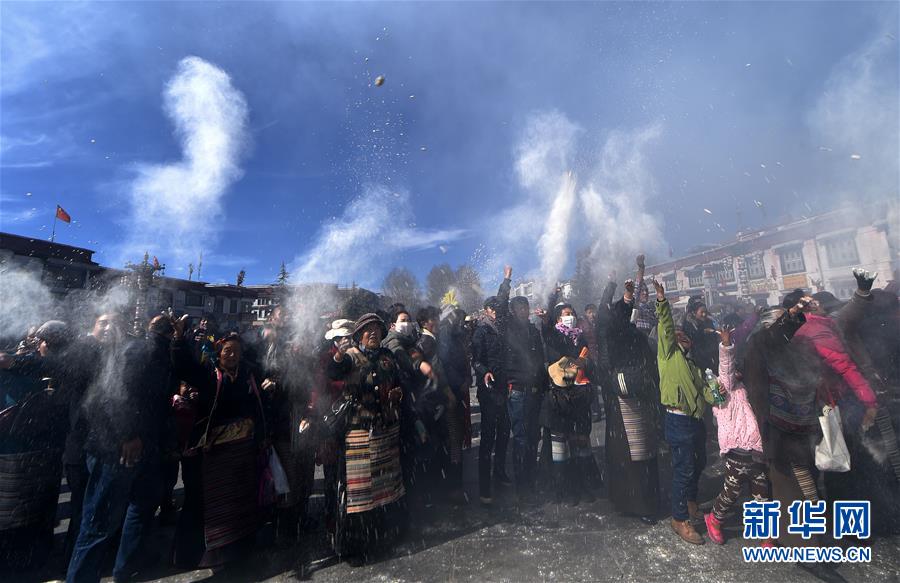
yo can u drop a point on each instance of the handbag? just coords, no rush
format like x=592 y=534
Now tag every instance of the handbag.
x=831 y=453
x=337 y=420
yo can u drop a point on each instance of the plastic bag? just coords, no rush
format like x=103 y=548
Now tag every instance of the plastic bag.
x=831 y=453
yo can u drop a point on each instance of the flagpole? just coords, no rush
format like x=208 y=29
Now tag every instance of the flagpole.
x=55 y=216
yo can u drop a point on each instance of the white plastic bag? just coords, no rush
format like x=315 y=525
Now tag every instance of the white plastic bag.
x=279 y=478
x=831 y=453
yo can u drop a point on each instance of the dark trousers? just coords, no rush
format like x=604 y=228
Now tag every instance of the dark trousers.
x=114 y=494
x=524 y=408
x=76 y=478
x=494 y=438
x=687 y=440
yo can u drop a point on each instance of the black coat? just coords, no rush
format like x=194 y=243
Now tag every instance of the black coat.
x=488 y=351
x=704 y=345
x=131 y=401
x=524 y=358
x=452 y=350
x=238 y=398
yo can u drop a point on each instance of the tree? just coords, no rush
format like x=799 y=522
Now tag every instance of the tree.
x=360 y=301
x=401 y=285
x=469 y=292
x=283 y=276
x=440 y=280
x=240 y=277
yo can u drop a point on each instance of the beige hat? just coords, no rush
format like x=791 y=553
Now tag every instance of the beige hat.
x=563 y=371
x=340 y=329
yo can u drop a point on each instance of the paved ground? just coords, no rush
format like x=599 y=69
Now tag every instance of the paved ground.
x=589 y=542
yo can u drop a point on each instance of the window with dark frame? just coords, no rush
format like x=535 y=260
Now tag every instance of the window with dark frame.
x=193 y=300
x=792 y=260
x=695 y=278
x=756 y=269
x=841 y=251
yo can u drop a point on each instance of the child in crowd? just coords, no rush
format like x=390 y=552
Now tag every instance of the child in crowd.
x=739 y=443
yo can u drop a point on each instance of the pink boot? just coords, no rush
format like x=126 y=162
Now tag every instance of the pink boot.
x=714 y=529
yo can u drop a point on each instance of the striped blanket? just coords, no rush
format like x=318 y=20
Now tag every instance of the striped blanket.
x=29 y=488
x=230 y=490
x=640 y=447
x=374 y=477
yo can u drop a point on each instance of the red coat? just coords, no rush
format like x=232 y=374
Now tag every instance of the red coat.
x=822 y=333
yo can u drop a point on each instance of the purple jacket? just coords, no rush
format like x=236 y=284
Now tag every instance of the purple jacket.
x=737 y=424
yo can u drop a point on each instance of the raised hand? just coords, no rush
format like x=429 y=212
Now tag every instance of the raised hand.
x=864 y=279
x=178 y=325
x=725 y=335
x=803 y=305
x=507 y=272
x=660 y=290
x=640 y=261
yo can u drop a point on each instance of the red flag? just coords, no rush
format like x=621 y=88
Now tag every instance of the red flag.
x=62 y=215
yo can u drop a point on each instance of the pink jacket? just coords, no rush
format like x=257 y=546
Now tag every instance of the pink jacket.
x=822 y=332
x=737 y=425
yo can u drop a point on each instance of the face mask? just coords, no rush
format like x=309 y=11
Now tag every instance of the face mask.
x=402 y=328
x=568 y=321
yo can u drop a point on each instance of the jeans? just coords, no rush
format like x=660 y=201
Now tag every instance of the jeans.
x=494 y=438
x=114 y=494
x=524 y=407
x=687 y=440
x=76 y=477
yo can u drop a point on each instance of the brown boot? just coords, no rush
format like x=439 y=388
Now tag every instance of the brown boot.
x=694 y=512
x=685 y=530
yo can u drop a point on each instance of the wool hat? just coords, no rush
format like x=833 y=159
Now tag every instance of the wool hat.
x=364 y=321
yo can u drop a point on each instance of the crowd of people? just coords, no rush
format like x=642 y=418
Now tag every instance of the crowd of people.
x=382 y=404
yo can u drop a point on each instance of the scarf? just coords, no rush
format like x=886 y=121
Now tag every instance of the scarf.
x=570 y=333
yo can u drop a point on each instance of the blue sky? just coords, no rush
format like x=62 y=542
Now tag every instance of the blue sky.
x=254 y=131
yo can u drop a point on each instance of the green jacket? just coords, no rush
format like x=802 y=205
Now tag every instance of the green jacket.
x=681 y=383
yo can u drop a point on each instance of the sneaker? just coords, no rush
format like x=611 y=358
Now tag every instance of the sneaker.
x=685 y=530
x=714 y=529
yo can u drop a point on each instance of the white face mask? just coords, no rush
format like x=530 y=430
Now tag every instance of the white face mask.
x=568 y=321
x=402 y=328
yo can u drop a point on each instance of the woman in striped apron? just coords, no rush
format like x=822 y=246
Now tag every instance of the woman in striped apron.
x=631 y=399
x=366 y=420
x=222 y=508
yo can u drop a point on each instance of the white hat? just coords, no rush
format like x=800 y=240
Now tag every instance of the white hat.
x=340 y=329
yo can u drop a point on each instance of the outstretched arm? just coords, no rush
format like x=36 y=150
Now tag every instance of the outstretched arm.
x=667 y=344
